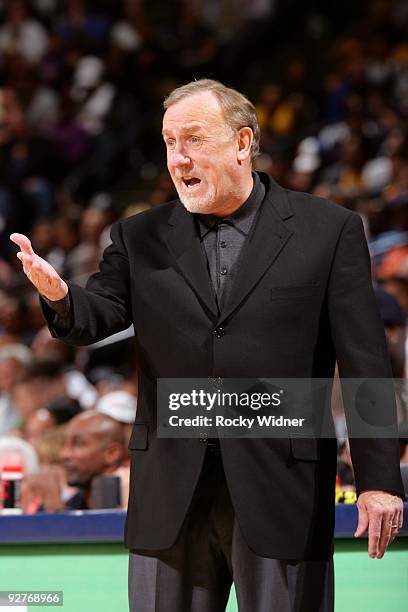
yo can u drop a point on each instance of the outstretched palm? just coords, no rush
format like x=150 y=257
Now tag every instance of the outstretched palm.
x=42 y=275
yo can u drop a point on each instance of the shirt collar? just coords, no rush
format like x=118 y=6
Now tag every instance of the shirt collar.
x=242 y=218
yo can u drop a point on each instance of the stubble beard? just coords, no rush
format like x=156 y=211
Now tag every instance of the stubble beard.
x=198 y=204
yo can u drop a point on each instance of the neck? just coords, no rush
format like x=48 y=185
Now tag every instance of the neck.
x=238 y=200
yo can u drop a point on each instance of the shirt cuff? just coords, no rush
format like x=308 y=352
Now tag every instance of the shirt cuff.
x=63 y=312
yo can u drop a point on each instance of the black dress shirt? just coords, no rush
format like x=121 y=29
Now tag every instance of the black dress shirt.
x=223 y=239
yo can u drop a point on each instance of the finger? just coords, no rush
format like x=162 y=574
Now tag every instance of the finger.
x=23 y=242
x=385 y=537
x=25 y=258
x=374 y=533
x=394 y=530
x=394 y=533
x=34 y=265
x=362 y=523
x=27 y=266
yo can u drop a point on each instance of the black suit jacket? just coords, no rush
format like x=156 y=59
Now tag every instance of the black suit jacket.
x=302 y=299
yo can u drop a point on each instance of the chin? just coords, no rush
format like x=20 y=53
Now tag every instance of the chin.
x=76 y=481
x=196 y=207
x=203 y=205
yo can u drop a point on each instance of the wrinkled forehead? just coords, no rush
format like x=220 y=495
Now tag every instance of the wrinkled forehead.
x=86 y=429
x=199 y=111
x=79 y=431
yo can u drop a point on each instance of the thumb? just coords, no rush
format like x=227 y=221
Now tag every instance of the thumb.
x=362 y=523
x=23 y=242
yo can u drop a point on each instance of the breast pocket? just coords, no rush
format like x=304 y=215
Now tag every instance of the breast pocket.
x=295 y=292
x=139 y=439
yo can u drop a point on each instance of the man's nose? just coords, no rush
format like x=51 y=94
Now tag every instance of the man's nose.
x=64 y=453
x=180 y=156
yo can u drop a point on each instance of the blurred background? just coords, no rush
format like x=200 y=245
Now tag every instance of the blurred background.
x=81 y=91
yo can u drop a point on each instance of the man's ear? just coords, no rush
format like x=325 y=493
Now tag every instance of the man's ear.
x=244 y=143
x=113 y=454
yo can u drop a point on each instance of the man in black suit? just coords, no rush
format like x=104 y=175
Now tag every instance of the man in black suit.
x=239 y=278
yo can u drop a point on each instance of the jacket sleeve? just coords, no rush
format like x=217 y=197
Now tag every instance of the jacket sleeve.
x=61 y=317
x=361 y=352
x=103 y=307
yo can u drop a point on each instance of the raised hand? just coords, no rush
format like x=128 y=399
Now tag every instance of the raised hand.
x=42 y=275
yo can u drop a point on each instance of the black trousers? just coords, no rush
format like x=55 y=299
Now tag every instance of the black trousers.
x=196 y=573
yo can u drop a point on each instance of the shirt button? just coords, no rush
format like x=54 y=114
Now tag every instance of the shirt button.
x=223 y=244
x=219 y=332
x=224 y=271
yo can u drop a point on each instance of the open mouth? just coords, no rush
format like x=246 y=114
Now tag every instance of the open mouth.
x=191 y=181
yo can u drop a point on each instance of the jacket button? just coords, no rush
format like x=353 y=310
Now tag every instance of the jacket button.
x=219 y=332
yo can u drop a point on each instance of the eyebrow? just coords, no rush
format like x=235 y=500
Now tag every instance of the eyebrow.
x=188 y=127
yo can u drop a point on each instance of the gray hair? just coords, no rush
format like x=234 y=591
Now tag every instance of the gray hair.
x=19 y=352
x=238 y=111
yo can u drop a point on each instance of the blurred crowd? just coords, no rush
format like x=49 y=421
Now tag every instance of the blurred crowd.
x=81 y=90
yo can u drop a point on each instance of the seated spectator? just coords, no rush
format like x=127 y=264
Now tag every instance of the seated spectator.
x=105 y=379
x=47 y=348
x=85 y=257
x=13 y=315
x=58 y=412
x=40 y=103
x=28 y=166
x=48 y=489
x=49 y=447
x=63 y=409
x=121 y=406
x=36 y=424
x=14 y=360
x=94 y=446
x=43 y=381
x=17 y=452
x=22 y=35
x=77 y=25
x=346 y=173
x=127 y=33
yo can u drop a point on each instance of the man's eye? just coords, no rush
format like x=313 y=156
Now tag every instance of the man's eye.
x=171 y=143
x=78 y=444
x=194 y=139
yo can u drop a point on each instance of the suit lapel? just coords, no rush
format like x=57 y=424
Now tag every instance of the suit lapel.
x=185 y=245
x=265 y=242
